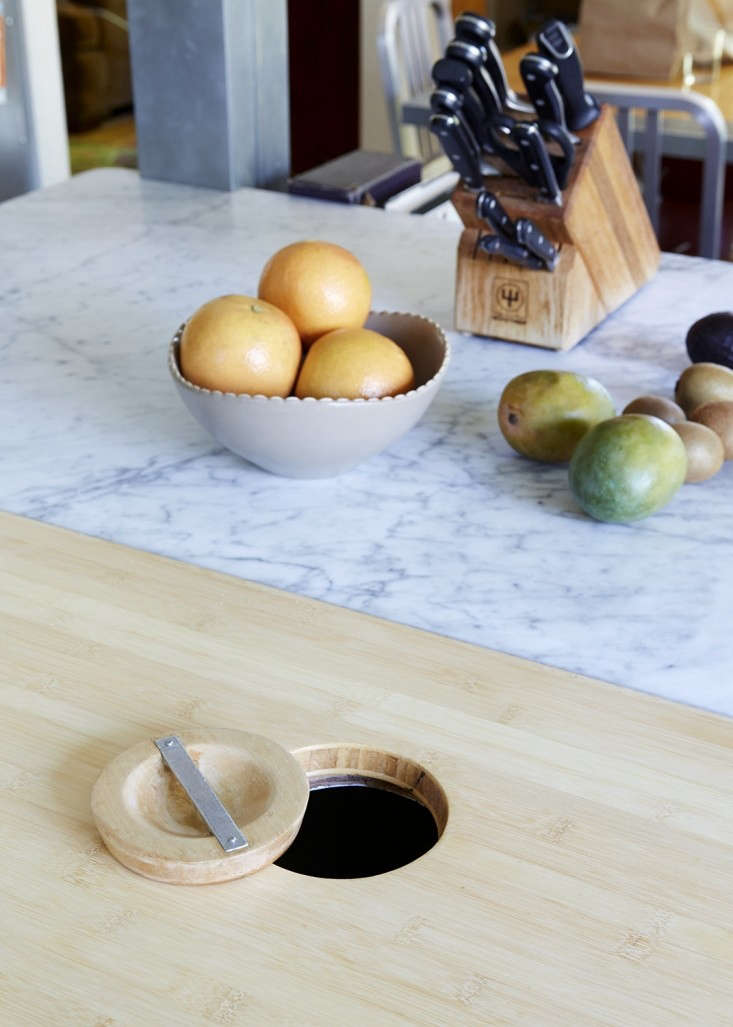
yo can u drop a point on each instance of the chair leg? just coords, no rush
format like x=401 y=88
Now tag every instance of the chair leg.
x=623 y=118
x=713 y=187
x=652 y=167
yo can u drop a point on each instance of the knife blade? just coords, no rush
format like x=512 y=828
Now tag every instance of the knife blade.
x=537 y=164
x=459 y=148
x=474 y=28
x=556 y=43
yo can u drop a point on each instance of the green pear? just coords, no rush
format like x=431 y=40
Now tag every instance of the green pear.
x=544 y=414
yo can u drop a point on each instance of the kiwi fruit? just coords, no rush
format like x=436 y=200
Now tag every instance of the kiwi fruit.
x=718 y=416
x=705 y=453
x=703 y=383
x=657 y=406
x=711 y=339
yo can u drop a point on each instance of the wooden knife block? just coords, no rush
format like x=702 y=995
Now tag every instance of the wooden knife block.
x=607 y=250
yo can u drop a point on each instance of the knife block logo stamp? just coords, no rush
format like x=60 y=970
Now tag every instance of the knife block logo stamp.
x=510 y=300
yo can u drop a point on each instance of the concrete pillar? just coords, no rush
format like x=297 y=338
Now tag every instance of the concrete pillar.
x=210 y=82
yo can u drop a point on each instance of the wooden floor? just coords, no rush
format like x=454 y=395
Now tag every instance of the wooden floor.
x=111 y=144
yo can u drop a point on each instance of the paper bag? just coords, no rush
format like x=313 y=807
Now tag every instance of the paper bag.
x=635 y=38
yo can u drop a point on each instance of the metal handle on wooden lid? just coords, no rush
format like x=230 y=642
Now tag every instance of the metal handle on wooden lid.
x=201 y=794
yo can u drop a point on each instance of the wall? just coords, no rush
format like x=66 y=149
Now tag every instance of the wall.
x=374 y=131
x=45 y=84
x=33 y=140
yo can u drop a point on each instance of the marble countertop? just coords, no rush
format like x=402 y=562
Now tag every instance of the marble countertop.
x=448 y=530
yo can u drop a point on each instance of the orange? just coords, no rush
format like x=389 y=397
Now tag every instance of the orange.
x=241 y=344
x=354 y=363
x=320 y=285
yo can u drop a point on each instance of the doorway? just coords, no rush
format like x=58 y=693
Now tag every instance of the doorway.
x=95 y=61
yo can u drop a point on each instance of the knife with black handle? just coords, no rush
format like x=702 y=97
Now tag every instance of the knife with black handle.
x=448 y=100
x=473 y=28
x=496 y=140
x=556 y=43
x=497 y=246
x=473 y=57
x=523 y=231
x=538 y=75
x=481 y=106
x=538 y=167
x=528 y=235
x=459 y=147
x=490 y=210
x=458 y=77
x=563 y=161
x=449 y=72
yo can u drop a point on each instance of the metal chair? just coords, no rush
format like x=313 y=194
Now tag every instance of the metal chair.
x=648 y=141
x=411 y=36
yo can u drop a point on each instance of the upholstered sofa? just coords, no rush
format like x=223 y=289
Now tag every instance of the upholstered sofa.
x=95 y=58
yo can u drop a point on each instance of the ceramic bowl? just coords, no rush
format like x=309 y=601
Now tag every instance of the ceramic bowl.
x=318 y=438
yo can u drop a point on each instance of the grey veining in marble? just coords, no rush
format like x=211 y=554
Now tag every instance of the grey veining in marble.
x=449 y=530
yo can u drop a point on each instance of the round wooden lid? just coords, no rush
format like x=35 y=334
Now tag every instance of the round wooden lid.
x=149 y=824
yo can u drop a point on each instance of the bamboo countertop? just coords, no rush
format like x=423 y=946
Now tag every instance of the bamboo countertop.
x=584 y=877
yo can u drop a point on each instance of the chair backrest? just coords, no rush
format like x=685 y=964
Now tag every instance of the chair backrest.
x=648 y=141
x=411 y=36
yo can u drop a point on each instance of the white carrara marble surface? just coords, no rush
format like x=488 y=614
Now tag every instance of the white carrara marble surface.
x=449 y=530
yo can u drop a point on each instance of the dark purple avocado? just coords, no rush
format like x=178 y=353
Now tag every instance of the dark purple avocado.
x=710 y=339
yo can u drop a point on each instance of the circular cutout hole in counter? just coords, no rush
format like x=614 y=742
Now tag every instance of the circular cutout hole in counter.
x=368 y=813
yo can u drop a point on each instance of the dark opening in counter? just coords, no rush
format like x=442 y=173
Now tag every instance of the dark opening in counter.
x=368 y=813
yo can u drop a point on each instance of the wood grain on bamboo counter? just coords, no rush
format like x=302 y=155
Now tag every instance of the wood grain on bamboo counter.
x=584 y=875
